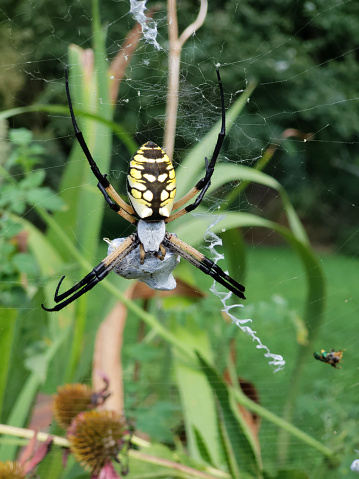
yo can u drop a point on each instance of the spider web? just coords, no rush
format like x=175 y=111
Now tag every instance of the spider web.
x=230 y=309
x=287 y=97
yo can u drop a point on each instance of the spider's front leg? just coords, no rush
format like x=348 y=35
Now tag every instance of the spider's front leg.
x=95 y=276
x=203 y=184
x=108 y=191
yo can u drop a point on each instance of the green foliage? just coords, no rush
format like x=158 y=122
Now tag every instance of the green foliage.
x=304 y=55
x=21 y=189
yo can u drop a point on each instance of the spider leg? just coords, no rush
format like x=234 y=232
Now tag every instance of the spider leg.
x=203 y=263
x=103 y=181
x=95 y=276
x=114 y=206
x=203 y=184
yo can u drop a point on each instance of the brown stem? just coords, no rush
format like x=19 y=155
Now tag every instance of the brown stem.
x=175 y=48
x=119 y=64
x=107 y=355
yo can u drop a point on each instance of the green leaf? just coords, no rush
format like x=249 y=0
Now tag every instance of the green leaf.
x=22 y=406
x=20 y=136
x=117 y=129
x=242 y=450
x=235 y=249
x=290 y=474
x=7 y=328
x=32 y=180
x=25 y=263
x=19 y=414
x=197 y=399
x=226 y=173
x=45 y=198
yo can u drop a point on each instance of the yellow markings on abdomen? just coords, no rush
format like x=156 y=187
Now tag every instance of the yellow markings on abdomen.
x=151 y=183
x=162 y=178
x=150 y=178
x=148 y=195
x=136 y=174
x=164 y=195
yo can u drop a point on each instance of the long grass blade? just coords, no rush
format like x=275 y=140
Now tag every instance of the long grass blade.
x=242 y=451
x=200 y=414
x=7 y=335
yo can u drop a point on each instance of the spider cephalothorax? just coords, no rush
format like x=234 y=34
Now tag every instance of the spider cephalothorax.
x=151 y=253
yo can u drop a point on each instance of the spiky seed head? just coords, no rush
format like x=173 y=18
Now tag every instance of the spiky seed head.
x=70 y=400
x=96 y=437
x=11 y=470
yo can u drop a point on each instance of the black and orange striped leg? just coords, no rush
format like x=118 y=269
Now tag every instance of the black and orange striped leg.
x=203 y=263
x=104 y=185
x=204 y=183
x=95 y=276
x=114 y=206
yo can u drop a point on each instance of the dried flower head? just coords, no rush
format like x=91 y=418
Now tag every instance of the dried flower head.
x=72 y=399
x=11 y=470
x=30 y=458
x=96 y=438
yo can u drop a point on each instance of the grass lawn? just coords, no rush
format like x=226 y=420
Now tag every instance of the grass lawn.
x=328 y=406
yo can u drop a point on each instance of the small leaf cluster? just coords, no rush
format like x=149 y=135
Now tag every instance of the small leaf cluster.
x=21 y=190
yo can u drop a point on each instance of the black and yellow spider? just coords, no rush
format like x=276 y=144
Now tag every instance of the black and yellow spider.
x=151 y=189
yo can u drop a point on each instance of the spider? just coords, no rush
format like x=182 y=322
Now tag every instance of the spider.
x=151 y=189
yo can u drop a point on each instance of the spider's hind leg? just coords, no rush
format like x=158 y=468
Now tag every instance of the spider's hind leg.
x=161 y=253
x=203 y=263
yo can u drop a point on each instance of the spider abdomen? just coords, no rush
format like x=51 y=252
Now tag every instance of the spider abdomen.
x=151 y=183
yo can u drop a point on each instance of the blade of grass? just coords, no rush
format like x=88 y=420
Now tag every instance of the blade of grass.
x=282 y=424
x=19 y=414
x=85 y=217
x=315 y=298
x=242 y=450
x=117 y=129
x=7 y=328
x=226 y=173
x=199 y=413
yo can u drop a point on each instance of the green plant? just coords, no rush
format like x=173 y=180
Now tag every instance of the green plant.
x=21 y=190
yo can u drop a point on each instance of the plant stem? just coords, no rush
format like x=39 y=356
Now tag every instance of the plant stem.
x=183 y=470
x=174 y=58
